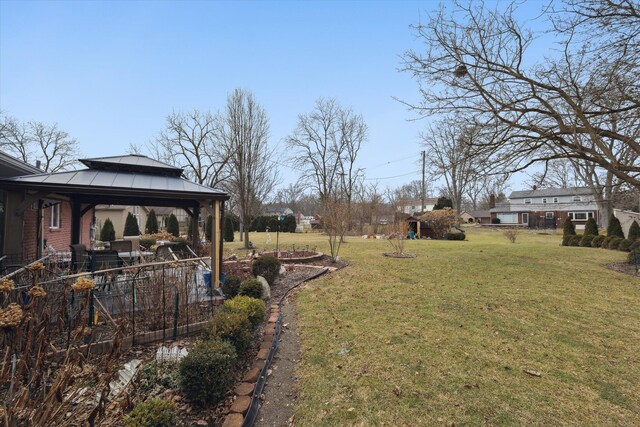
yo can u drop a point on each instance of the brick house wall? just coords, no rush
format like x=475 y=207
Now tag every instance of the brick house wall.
x=59 y=238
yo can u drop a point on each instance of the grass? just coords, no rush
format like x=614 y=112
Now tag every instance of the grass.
x=445 y=338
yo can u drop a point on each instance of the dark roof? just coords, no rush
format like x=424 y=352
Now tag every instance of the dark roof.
x=110 y=181
x=10 y=166
x=132 y=163
x=550 y=192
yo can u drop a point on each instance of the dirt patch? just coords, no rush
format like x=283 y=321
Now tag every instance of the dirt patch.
x=624 y=267
x=395 y=255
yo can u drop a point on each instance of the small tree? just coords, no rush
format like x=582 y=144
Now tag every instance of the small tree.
x=591 y=228
x=151 y=227
x=172 y=225
x=614 y=229
x=131 y=226
x=108 y=233
x=634 y=232
x=443 y=202
x=228 y=229
x=335 y=223
x=568 y=229
x=511 y=233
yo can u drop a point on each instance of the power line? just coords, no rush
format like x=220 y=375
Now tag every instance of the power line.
x=392 y=161
x=391 y=177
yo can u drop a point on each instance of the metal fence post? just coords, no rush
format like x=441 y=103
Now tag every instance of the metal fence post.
x=175 y=316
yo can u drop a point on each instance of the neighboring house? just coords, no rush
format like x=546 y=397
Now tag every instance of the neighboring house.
x=30 y=223
x=626 y=218
x=277 y=211
x=547 y=208
x=479 y=217
x=118 y=216
x=411 y=206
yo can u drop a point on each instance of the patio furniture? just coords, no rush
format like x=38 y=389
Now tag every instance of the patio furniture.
x=79 y=258
x=121 y=245
x=135 y=242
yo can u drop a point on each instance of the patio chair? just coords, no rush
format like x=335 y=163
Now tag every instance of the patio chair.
x=104 y=260
x=79 y=258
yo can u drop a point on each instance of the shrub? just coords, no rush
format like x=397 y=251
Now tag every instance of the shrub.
x=251 y=288
x=586 y=240
x=228 y=229
x=574 y=240
x=232 y=327
x=267 y=267
x=253 y=308
x=231 y=286
x=635 y=246
x=455 y=236
x=634 y=232
x=207 y=371
x=565 y=240
x=147 y=242
x=173 y=227
x=597 y=241
x=591 y=227
x=495 y=220
x=154 y=375
x=614 y=243
x=131 y=226
x=151 y=226
x=614 y=229
x=108 y=233
x=568 y=229
x=511 y=234
x=633 y=255
x=153 y=413
x=624 y=245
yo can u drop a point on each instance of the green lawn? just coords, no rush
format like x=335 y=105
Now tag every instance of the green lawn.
x=445 y=338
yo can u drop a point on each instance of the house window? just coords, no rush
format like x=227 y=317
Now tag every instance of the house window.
x=525 y=218
x=544 y=200
x=54 y=218
x=527 y=201
x=580 y=216
x=549 y=215
x=577 y=198
x=555 y=200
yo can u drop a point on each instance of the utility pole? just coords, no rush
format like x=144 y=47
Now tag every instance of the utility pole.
x=423 y=183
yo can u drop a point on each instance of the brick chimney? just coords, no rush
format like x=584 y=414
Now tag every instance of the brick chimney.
x=492 y=201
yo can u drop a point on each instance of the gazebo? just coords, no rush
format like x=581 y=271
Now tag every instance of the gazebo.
x=128 y=180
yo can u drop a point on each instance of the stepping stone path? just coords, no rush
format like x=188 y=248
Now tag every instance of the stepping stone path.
x=244 y=390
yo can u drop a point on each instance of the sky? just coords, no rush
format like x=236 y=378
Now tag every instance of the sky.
x=109 y=73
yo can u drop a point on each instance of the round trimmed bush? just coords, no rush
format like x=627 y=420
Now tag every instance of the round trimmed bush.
x=232 y=327
x=253 y=308
x=605 y=242
x=635 y=246
x=586 y=240
x=251 y=288
x=153 y=413
x=231 y=286
x=597 y=241
x=614 y=243
x=267 y=267
x=625 y=245
x=631 y=258
x=565 y=240
x=574 y=240
x=206 y=372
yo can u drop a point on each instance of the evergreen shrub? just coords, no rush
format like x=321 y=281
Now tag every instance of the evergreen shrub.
x=574 y=240
x=597 y=241
x=231 y=286
x=253 y=308
x=614 y=243
x=153 y=413
x=233 y=327
x=206 y=372
x=624 y=245
x=634 y=232
x=267 y=267
x=614 y=229
x=251 y=288
x=586 y=240
x=455 y=236
x=108 y=233
x=172 y=225
x=131 y=226
x=151 y=226
x=228 y=229
x=591 y=227
x=568 y=229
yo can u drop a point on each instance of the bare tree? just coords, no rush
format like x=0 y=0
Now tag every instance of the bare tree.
x=476 y=61
x=188 y=141
x=325 y=146
x=452 y=156
x=243 y=130
x=36 y=141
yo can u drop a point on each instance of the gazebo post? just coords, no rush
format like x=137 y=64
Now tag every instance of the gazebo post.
x=215 y=245
x=76 y=214
x=195 y=232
